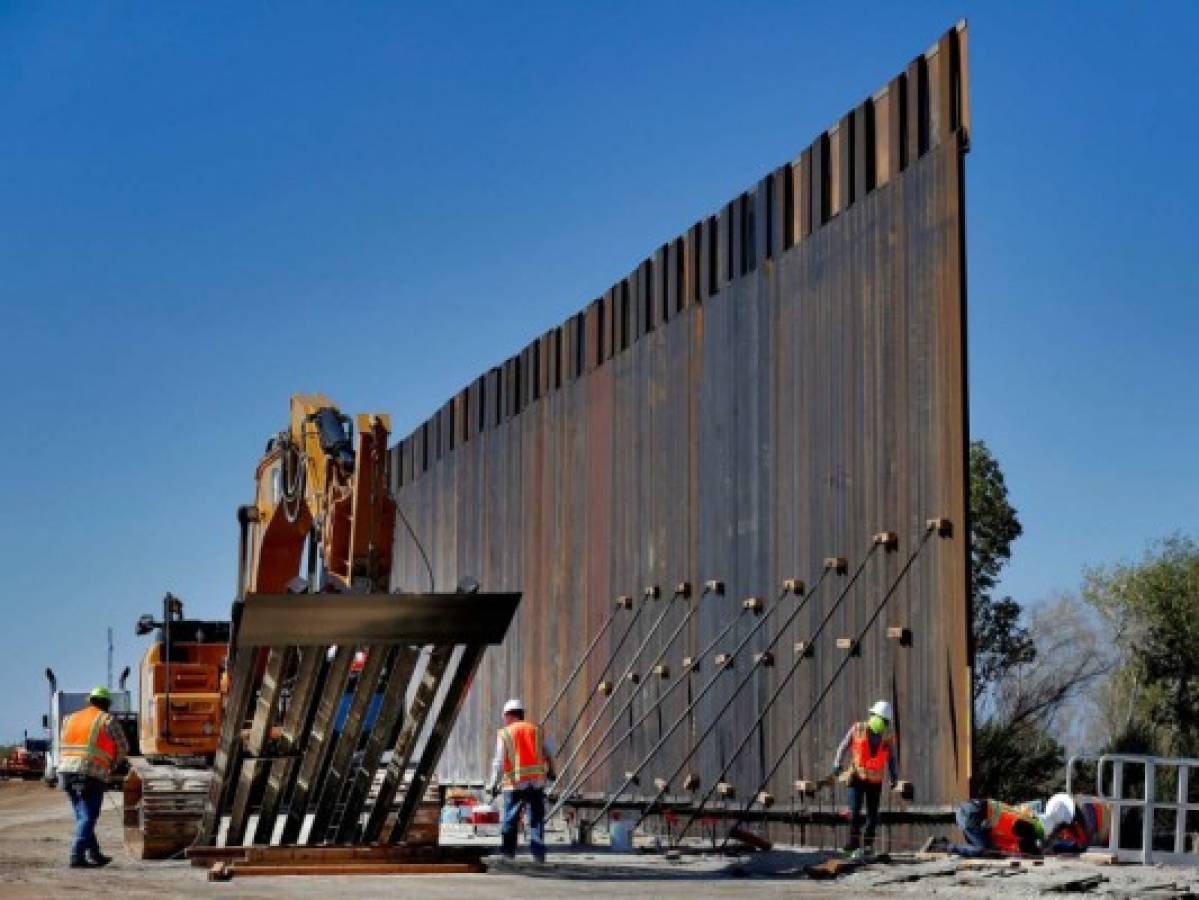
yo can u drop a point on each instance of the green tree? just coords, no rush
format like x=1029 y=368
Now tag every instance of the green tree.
x=1001 y=643
x=1152 y=608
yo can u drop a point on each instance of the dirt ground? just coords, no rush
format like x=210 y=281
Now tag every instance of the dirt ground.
x=36 y=822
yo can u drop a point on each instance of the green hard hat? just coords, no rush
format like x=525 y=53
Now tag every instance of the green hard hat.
x=100 y=693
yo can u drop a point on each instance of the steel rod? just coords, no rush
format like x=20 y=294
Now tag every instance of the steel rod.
x=621 y=602
x=650 y=594
x=745 y=679
x=620 y=742
x=732 y=623
x=830 y=564
x=632 y=776
x=579 y=667
x=615 y=719
x=929 y=531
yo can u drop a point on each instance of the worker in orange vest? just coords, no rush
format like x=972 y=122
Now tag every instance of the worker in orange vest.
x=871 y=753
x=523 y=762
x=992 y=826
x=91 y=743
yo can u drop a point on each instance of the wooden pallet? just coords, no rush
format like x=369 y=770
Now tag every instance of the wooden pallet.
x=225 y=863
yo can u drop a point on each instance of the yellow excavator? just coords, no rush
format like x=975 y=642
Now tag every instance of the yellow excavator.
x=322 y=521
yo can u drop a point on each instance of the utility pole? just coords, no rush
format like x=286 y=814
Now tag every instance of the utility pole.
x=110 y=657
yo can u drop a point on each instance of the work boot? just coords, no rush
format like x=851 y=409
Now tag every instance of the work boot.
x=99 y=860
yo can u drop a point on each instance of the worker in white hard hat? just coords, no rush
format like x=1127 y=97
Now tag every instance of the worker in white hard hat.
x=871 y=752
x=522 y=764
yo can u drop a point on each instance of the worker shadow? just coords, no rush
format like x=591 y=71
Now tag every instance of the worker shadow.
x=599 y=865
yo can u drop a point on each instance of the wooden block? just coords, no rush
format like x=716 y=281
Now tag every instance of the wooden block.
x=690 y=664
x=605 y=688
x=715 y=586
x=726 y=790
x=765 y=799
x=653 y=592
x=803 y=648
x=765 y=659
x=888 y=539
x=793 y=586
x=805 y=787
x=683 y=589
x=838 y=564
x=754 y=604
x=942 y=527
x=848 y=644
x=632 y=778
x=662 y=671
x=661 y=784
x=633 y=678
x=624 y=601
x=724 y=660
x=901 y=634
x=903 y=789
x=691 y=782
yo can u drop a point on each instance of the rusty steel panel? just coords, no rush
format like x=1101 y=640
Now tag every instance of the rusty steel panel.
x=791 y=385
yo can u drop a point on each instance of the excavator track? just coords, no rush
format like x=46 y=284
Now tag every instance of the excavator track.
x=164 y=806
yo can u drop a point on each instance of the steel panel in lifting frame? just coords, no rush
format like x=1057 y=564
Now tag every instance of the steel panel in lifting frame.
x=314 y=619
x=389 y=715
x=314 y=767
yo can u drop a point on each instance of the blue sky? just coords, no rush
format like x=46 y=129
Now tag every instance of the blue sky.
x=209 y=207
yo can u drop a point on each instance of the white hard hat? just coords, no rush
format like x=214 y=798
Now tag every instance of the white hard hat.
x=513 y=705
x=1059 y=810
x=882 y=708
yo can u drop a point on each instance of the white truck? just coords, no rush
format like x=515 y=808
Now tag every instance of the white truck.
x=63 y=703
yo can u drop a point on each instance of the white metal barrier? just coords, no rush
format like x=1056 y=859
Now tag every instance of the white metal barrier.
x=1147 y=803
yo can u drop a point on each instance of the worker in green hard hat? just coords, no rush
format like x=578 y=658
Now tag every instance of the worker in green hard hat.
x=871 y=753
x=91 y=743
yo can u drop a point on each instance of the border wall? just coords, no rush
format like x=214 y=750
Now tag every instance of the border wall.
x=768 y=389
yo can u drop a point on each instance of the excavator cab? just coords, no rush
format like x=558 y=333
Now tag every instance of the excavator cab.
x=180 y=684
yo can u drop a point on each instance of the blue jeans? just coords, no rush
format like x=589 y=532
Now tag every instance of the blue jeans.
x=86 y=796
x=970 y=816
x=514 y=803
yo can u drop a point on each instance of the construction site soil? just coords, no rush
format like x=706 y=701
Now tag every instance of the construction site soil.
x=36 y=823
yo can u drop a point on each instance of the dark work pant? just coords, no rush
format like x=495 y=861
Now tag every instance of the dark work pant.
x=86 y=796
x=514 y=803
x=860 y=791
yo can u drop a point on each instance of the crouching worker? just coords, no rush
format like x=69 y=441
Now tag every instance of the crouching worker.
x=871 y=753
x=1079 y=823
x=522 y=764
x=91 y=742
x=993 y=827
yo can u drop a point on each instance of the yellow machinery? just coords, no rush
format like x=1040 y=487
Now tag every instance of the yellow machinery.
x=322 y=511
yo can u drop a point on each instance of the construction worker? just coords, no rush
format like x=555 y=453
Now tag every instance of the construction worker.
x=1088 y=824
x=92 y=742
x=522 y=764
x=871 y=753
x=990 y=826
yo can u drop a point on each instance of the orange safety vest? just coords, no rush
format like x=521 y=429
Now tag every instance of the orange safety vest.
x=869 y=766
x=524 y=757
x=1001 y=826
x=85 y=736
